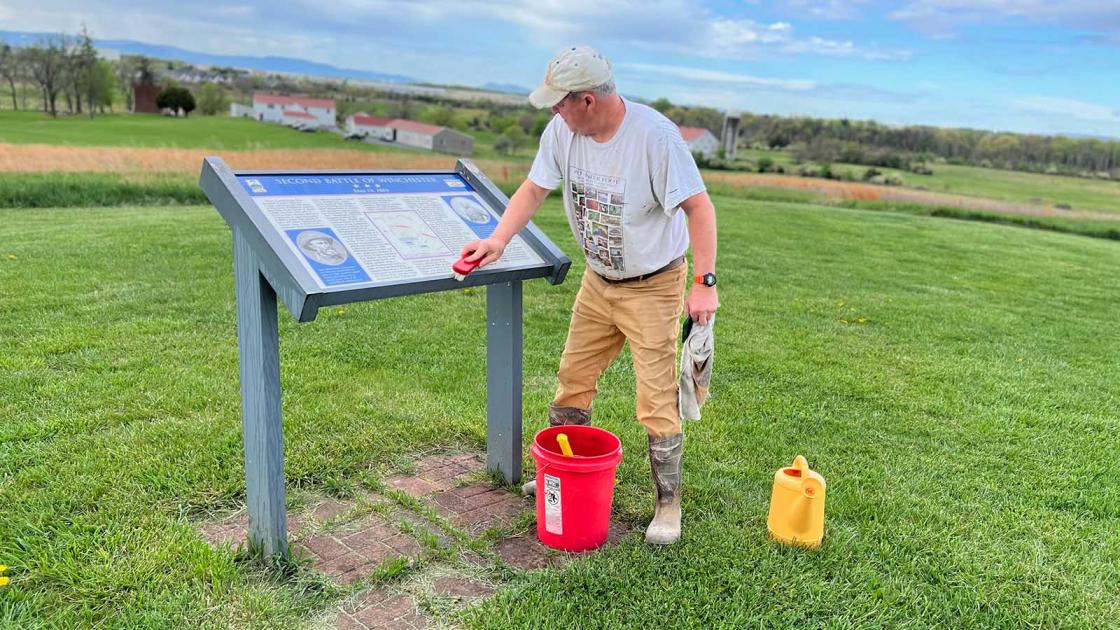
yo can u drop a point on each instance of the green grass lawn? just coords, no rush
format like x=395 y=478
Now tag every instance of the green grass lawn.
x=1016 y=186
x=955 y=382
x=149 y=130
x=1080 y=193
x=212 y=132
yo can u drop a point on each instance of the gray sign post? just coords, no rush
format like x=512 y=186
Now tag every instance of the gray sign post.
x=324 y=238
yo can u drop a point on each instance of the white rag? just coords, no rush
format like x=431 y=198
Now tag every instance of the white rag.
x=696 y=369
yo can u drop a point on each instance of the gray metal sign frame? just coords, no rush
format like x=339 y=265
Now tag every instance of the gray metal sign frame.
x=265 y=268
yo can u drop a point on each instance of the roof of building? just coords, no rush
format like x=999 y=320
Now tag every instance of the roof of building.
x=412 y=125
x=691 y=133
x=370 y=121
x=296 y=114
x=326 y=103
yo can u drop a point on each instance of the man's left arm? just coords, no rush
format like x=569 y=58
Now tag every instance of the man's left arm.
x=702 y=300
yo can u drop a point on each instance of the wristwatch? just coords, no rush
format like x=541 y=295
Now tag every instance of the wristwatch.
x=708 y=279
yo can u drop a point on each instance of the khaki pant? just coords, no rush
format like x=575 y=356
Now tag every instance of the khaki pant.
x=647 y=314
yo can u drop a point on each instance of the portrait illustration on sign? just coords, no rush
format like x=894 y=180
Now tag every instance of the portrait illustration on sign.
x=469 y=210
x=322 y=248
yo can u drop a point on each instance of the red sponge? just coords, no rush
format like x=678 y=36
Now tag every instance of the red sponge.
x=462 y=267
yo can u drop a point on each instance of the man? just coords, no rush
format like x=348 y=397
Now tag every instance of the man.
x=627 y=177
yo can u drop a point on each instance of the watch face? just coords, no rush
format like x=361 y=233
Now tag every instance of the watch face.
x=710 y=279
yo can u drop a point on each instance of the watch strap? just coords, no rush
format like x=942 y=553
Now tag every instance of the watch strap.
x=699 y=279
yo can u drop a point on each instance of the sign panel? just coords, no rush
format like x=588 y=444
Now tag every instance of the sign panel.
x=353 y=230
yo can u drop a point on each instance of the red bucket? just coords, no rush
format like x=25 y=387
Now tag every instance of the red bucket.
x=574 y=494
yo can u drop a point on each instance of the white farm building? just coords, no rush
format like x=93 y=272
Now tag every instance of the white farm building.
x=424 y=136
x=700 y=140
x=362 y=124
x=295 y=111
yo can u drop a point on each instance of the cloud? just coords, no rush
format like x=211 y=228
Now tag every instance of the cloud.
x=681 y=27
x=234 y=11
x=1069 y=107
x=825 y=9
x=746 y=39
x=941 y=18
x=728 y=89
x=716 y=76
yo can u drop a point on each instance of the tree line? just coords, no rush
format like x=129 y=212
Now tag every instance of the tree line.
x=908 y=147
x=64 y=73
x=876 y=144
x=59 y=68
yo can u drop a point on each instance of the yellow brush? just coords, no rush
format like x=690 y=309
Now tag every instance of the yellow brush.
x=565 y=448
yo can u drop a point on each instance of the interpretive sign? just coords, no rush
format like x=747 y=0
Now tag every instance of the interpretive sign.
x=318 y=238
x=379 y=229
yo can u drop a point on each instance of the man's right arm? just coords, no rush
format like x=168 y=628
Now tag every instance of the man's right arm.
x=522 y=206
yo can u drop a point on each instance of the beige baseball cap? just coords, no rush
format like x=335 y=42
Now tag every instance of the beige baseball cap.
x=571 y=70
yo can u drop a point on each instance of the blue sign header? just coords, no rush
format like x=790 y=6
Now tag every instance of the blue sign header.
x=291 y=185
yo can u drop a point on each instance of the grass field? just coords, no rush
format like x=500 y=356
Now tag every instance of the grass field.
x=955 y=383
x=862 y=196
x=225 y=134
x=210 y=132
x=1015 y=186
x=140 y=130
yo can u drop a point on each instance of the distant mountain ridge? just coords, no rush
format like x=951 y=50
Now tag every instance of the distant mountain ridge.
x=268 y=64
x=509 y=88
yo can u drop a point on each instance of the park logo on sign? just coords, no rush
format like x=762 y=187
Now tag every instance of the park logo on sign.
x=255 y=185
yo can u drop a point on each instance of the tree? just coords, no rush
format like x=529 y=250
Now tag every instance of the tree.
x=176 y=98
x=526 y=122
x=22 y=64
x=502 y=144
x=542 y=120
x=437 y=115
x=675 y=114
x=82 y=63
x=500 y=122
x=662 y=105
x=168 y=98
x=144 y=73
x=516 y=136
x=705 y=117
x=47 y=66
x=212 y=100
x=10 y=70
x=126 y=72
x=186 y=102
x=104 y=84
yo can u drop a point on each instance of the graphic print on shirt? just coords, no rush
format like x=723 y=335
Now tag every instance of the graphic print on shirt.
x=597 y=201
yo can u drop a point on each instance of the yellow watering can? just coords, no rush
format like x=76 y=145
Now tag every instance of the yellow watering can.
x=797 y=505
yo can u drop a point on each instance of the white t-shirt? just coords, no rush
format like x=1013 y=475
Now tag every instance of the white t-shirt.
x=622 y=196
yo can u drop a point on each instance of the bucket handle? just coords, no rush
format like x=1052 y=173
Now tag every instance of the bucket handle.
x=547 y=465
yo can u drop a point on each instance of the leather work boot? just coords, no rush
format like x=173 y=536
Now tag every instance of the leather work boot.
x=556 y=417
x=665 y=461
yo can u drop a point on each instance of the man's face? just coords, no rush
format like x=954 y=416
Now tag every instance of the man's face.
x=322 y=246
x=575 y=109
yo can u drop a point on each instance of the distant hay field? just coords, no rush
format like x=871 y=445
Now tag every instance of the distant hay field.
x=144 y=163
x=834 y=189
x=37 y=158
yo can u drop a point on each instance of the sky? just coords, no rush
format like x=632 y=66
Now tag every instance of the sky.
x=1036 y=66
